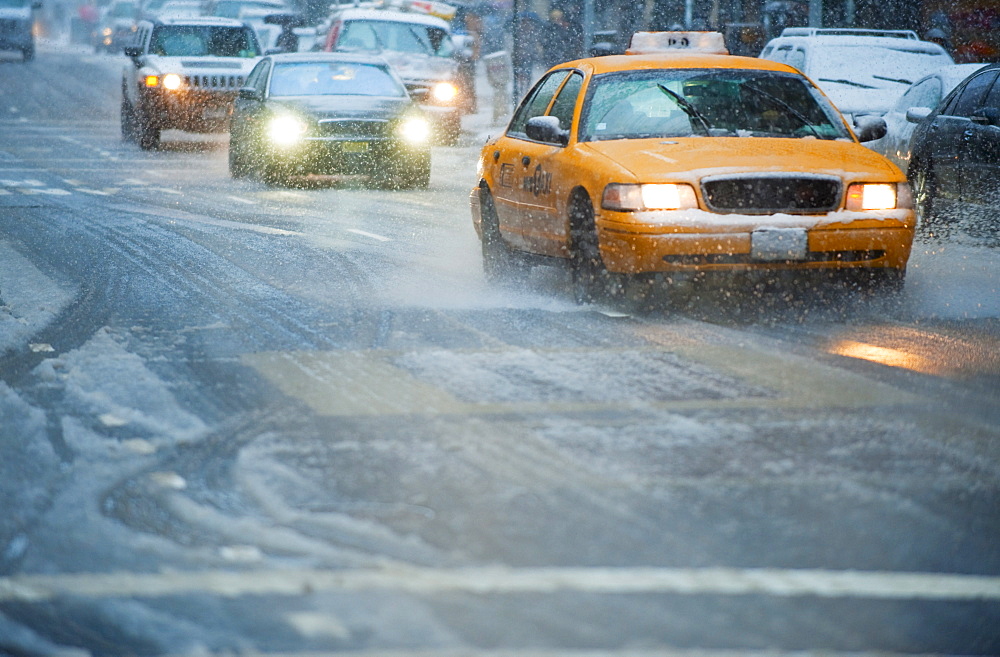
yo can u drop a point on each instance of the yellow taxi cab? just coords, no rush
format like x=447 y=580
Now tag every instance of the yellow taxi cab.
x=677 y=159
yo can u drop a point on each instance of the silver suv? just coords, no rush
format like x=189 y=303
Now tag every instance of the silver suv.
x=184 y=74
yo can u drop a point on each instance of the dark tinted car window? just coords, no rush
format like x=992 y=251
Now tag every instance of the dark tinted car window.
x=971 y=97
x=993 y=98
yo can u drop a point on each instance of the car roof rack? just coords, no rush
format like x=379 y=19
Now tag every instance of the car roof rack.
x=847 y=31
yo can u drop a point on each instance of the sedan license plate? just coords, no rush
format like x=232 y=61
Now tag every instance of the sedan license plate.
x=779 y=244
x=355 y=147
x=213 y=113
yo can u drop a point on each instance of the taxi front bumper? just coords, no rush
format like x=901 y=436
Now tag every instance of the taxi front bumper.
x=699 y=241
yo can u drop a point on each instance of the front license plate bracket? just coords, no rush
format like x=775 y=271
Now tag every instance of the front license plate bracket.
x=779 y=244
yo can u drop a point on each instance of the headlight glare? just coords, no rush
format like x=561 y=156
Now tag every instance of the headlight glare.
x=444 y=92
x=661 y=196
x=285 y=130
x=871 y=196
x=172 y=81
x=415 y=130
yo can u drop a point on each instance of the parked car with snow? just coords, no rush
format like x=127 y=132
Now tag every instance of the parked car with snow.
x=926 y=93
x=861 y=71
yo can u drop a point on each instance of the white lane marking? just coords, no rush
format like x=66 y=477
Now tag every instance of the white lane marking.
x=502 y=580
x=181 y=215
x=240 y=199
x=378 y=238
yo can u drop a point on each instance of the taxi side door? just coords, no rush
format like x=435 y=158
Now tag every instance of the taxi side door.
x=522 y=187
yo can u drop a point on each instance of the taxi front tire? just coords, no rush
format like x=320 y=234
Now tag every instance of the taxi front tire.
x=590 y=278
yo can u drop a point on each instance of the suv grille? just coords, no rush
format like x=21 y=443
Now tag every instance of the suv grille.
x=769 y=194
x=354 y=128
x=227 y=82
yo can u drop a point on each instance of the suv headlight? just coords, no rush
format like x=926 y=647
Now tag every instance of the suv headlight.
x=170 y=81
x=662 y=196
x=877 y=196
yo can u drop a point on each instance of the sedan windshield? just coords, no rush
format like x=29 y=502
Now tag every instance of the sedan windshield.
x=716 y=103
x=334 y=79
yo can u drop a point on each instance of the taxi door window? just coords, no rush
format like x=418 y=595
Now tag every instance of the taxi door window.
x=536 y=103
x=565 y=102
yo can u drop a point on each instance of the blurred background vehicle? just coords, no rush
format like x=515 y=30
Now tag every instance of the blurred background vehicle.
x=842 y=62
x=16 y=26
x=117 y=25
x=925 y=93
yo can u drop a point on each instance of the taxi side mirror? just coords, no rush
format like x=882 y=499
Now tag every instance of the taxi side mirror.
x=870 y=128
x=546 y=129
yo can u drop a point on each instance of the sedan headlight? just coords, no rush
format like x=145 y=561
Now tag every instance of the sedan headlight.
x=662 y=196
x=444 y=92
x=415 y=130
x=872 y=196
x=285 y=130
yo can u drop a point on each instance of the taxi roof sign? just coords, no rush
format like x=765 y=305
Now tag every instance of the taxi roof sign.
x=649 y=43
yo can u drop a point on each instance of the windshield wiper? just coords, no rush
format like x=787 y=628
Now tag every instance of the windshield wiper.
x=794 y=112
x=899 y=80
x=688 y=108
x=849 y=82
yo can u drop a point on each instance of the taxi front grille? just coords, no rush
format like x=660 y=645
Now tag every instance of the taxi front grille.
x=771 y=194
x=214 y=82
x=354 y=128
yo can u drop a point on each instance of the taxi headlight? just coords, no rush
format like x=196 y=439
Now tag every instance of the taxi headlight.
x=415 y=130
x=285 y=130
x=871 y=196
x=444 y=92
x=172 y=81
x=663 y=196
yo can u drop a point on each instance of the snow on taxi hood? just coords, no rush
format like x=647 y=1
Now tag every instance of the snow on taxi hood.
x=691 y=158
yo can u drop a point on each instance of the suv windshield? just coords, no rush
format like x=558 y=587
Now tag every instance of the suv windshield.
x=333 y=79
x=202 y=40
x=376 y=36
x=717 y=103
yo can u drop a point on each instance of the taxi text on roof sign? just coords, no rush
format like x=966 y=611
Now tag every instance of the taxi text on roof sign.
x=649 y=43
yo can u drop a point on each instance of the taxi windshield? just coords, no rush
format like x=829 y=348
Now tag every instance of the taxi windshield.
x=710 y=103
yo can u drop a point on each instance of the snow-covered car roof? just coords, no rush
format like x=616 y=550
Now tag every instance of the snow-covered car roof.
x=393 y=16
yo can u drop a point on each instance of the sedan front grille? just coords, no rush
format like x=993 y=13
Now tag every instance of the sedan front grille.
x=354 y=128
x=768 y=194
x=214 y=82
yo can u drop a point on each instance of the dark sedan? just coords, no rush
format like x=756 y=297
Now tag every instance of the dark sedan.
x=955 y=154
x=328 y=114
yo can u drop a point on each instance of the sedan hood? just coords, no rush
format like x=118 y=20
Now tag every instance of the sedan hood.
x=690 y=159
x=343 y=107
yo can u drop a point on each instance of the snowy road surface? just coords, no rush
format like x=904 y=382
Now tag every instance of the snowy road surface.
x=242 y=419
